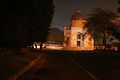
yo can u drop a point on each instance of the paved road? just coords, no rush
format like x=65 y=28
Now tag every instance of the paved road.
x=55 y=66
x=74 y=66
x=103 y=66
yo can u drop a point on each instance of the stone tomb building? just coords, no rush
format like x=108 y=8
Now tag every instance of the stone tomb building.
x=76 y=37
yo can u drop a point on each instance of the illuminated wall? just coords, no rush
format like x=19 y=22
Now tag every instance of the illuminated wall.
x=89 y=42
x=74 y=33
x=85 y=41
x=67 y=37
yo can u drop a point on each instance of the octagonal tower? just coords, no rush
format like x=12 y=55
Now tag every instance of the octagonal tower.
x=77 y=37
x=78 y=19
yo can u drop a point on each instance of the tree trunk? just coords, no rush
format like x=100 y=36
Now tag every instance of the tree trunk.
x=104 y=40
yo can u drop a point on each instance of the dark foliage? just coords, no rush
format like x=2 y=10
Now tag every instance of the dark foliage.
x=116 y=33
x=24 y=21
x=101 y=22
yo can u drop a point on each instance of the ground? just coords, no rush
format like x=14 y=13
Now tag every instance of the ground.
x=12 y=61
x=62 y=65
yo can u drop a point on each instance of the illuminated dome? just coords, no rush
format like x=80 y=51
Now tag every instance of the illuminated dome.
x=78 y=16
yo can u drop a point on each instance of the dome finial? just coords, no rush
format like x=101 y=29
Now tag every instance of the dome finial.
x=78 y=11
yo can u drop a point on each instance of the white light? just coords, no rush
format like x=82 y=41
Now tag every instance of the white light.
x=38 y=47
x=34 y=46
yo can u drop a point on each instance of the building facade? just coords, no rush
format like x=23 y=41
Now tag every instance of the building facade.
x=76 y=37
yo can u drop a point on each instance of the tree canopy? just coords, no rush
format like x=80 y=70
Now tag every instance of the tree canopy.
x=24 y=21
x=100 y=22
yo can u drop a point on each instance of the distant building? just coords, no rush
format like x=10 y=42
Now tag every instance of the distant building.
x=76 y=37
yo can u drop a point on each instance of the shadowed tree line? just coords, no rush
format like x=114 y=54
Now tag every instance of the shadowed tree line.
x=24 y=21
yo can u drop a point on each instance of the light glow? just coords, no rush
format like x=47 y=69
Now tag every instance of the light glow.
x=54 y=47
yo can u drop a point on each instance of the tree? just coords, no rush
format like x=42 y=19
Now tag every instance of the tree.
x=24 y=21
x=55 y=36
x=100 y=23
x=116 y=30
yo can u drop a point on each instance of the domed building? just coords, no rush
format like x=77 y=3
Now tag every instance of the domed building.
x=76 y=37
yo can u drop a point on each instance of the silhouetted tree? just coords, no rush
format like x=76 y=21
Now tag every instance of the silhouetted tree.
x=55 y=36
x=100 y=22
x=24 y=21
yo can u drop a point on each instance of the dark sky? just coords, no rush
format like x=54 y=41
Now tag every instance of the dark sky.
x=65 y=8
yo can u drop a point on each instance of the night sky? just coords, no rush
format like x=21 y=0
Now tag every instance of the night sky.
x=65 y=8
